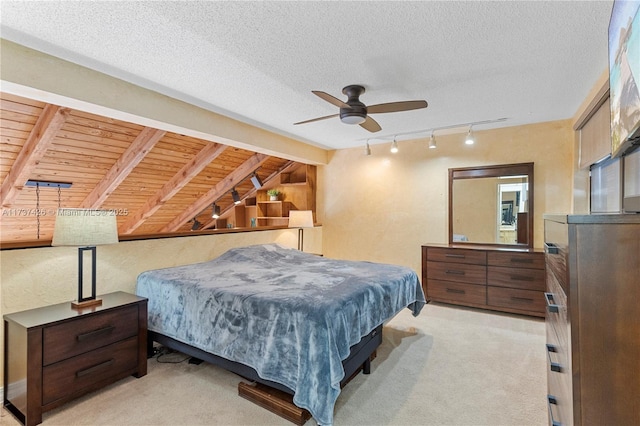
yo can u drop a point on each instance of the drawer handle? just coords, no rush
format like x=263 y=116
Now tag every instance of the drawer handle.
x=551 y=307
x=455 y=290
x=554 y=366
x=521 y=278
x=457 y=256
x=521 y=260
x=94 y=333
x=95 y=368
x=551 y=248
x=522 y=299
x=551 y=400
x=454 y=272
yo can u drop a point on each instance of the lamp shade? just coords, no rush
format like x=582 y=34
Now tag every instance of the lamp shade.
x=300 y=219
x=85 y=228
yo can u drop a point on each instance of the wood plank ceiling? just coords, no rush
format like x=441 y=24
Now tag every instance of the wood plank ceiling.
x=155 y=181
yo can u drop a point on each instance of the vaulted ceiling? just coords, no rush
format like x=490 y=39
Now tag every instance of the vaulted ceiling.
x=156 y=181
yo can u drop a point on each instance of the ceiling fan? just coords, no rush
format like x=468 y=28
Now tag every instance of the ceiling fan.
x=355 y=112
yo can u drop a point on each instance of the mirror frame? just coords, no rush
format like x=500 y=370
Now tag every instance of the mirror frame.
x=494 y=171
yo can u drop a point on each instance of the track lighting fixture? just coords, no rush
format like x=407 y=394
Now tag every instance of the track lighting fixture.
x=255 y=179
x=394 y=146
x=215 y=211
x=236 y=196
x=469 y=140
x=196 y=224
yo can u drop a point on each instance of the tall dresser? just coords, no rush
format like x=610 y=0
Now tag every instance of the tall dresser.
x=593 y=319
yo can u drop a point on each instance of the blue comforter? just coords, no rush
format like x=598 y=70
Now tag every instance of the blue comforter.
x=290 y=315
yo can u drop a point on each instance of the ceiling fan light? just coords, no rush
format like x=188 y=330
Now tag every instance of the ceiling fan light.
x=353 y=119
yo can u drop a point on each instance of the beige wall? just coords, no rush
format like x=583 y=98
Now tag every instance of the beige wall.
x=383 y=207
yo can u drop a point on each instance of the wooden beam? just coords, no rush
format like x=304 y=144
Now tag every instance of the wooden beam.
x=225 y=185
x=44 y=131
x=173 y=186
x=129 y=159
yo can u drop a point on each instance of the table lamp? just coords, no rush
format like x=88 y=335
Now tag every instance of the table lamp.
x=300 y=219
x=85 y=229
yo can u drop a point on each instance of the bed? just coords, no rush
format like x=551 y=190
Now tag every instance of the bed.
x=295 y=319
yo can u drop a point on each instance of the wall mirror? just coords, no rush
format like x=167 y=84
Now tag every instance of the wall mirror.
x=491 y=205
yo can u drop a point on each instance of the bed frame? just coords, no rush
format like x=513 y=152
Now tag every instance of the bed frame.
x=359 y=358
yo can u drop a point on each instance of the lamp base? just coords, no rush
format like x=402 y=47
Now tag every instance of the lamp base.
x=81 y=305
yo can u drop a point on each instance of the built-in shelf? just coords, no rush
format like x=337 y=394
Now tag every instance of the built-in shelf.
x=297 y=192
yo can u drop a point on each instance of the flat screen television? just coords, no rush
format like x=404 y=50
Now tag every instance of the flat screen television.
x=624 y=76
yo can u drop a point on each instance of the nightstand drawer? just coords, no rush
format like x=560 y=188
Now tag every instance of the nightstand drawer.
x=74 y=374
x=524 y=279
x=76 y=337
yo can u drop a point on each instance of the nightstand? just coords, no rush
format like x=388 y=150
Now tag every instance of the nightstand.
x=56 y=353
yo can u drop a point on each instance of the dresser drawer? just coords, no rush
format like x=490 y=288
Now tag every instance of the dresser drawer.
x=459 y=272
x=516 y=260
x=560 y=404
x=74 y=374
x=521 y=278
x=557 y=352
x=557 y=315
x=526 y=300
x=456 y=292
x=474 y=257
x=76 y=337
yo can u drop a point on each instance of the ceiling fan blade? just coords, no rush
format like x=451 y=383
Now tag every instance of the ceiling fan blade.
x=396 y=106
x=317 y=119
x=331 y=99
x=371 y=125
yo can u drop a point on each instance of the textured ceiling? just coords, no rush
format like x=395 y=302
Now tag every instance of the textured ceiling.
x=528 y=61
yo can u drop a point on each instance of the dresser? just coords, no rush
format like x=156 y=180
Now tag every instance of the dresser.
x=488 y=277
x=57 y=353
x=593 y=319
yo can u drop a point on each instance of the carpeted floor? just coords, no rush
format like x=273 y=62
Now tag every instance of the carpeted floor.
x=448 y=366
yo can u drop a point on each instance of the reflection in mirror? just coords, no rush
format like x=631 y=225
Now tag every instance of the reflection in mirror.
x=491 y=205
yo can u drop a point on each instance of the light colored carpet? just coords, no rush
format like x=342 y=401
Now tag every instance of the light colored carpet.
x=448 y=366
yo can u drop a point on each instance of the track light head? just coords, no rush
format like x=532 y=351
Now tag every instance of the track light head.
x=255 y=179
x=432 y=141
x=215 y=211
x=236 y=196
x=196 y=224
x=470 y=139
x=394 y=146
x=367 y=149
